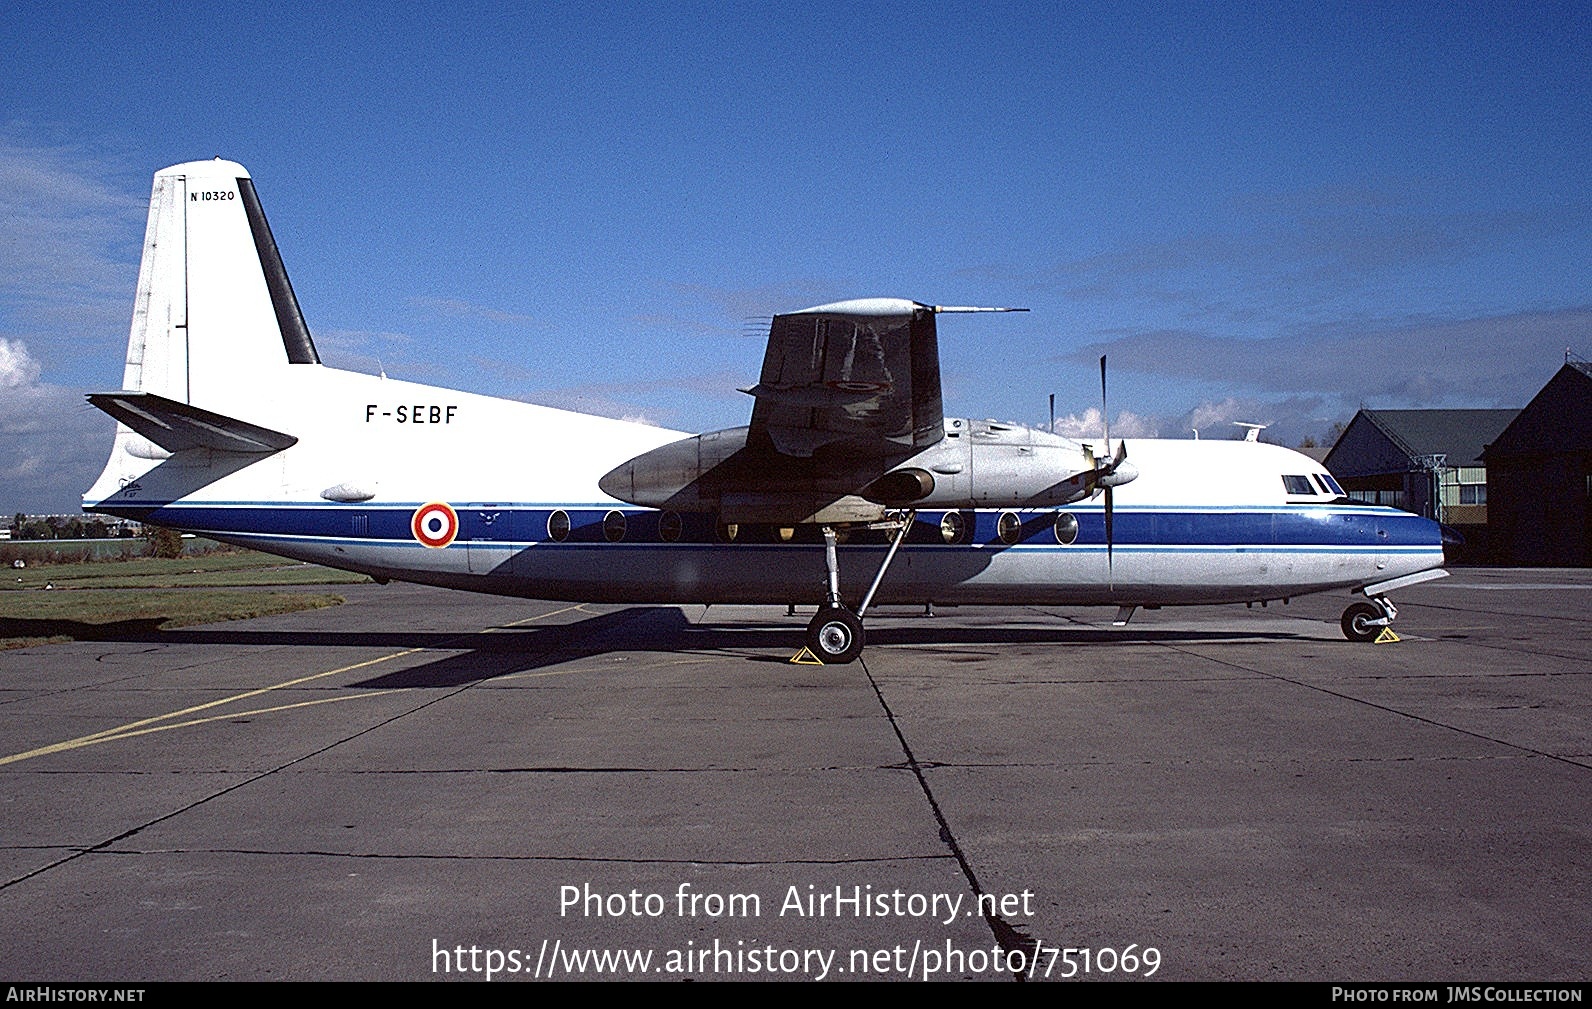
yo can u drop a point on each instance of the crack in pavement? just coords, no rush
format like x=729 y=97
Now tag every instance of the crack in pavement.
x=1008 y=936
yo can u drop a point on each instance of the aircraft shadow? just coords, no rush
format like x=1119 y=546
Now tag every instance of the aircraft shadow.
x=508 y=651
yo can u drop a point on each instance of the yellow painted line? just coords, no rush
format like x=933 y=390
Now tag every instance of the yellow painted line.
x=82 y=741
x=620 y=666
x=245 y=695
x=552 y=613
x=138 y=728
x=123 y=731
x=534 y=676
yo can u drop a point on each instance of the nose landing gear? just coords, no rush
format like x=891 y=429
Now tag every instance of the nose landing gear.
x=1366 y=621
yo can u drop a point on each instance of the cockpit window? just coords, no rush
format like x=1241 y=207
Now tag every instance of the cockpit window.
x=1328 y=484
x=1298 y=484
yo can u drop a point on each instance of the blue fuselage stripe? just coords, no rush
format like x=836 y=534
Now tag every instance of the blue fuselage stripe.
x=1289 y=528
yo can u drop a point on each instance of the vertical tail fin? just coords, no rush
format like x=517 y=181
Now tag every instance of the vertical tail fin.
x=214 y=306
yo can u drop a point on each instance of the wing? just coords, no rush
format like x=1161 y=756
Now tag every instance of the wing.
x=859 y=378
x=864 y=371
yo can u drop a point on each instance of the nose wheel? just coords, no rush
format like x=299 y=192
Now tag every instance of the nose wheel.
x=1366 y=621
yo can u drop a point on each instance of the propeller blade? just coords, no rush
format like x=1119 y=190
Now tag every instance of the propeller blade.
x=1105 y=417
x=1105 y=472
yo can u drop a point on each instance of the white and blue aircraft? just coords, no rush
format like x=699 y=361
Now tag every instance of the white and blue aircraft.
x=849 y=487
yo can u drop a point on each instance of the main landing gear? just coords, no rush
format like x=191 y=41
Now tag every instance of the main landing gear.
x=836 y=635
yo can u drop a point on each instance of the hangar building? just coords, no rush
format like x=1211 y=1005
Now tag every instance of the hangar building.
x=1424 y=461
x=1539 y=475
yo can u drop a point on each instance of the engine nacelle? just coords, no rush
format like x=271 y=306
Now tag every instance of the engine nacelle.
x=978 y=464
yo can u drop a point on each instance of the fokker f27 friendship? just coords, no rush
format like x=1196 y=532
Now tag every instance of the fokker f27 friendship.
x=848 y=488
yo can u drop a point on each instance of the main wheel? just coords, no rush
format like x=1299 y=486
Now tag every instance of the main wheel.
x=1357 y=625
x=835 y=635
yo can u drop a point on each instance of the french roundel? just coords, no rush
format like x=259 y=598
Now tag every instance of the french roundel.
x=435 y=524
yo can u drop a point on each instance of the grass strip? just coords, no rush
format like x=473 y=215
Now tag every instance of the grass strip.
x=30 y=618
x=232 y=568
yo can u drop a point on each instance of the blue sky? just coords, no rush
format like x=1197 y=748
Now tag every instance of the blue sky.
x=1271 y=213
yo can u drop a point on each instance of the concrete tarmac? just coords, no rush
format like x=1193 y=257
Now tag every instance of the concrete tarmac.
x=431 y=785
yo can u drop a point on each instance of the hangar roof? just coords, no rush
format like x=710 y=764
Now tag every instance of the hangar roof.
x=1391 y=441
x=1558 y=418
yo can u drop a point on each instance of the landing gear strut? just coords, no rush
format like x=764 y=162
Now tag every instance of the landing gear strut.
x=1366 y=621
x=836 y=634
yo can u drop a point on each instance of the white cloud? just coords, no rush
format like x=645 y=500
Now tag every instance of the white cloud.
x=1088 y=425
x=69 y=245
x=1216 y=419
x=52 y=443
x=1287 y=421
x=17 y=366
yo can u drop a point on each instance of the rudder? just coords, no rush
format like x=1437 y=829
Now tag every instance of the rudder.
x=214 y=307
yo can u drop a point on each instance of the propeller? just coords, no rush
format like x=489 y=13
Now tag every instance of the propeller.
x=1105 y=418
x=1116 y=470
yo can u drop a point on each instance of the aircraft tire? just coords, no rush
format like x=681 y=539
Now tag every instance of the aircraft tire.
x=835 y=635
x=1357 y=624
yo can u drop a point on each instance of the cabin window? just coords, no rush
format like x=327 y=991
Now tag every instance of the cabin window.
x=784 y=534
x=614 y=526
x=1298 y=484
x=1010 y=527
x=1066 y=528
x=670 y=526
x=728 y=531
x=558 y=526
x=952 y=526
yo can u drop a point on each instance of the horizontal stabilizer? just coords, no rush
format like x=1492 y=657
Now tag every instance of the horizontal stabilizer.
x=177 y=426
